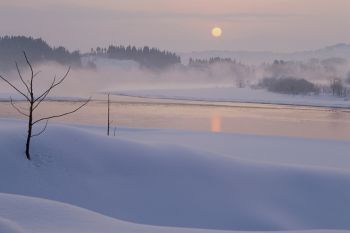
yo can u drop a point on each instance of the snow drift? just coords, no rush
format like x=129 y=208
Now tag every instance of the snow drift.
x=37 y=215
x=169 y=185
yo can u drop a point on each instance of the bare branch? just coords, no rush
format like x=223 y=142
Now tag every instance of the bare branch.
x=63 y=78
x=42 y=97
x=46 y=92
x=14 y=87
x=52 y=86
x=18 y=109
x=21 y=77
x=36 y=74
x=42 y=131
x=63 y=114
x=31 y=70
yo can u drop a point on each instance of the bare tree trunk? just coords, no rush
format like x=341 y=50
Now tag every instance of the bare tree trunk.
x=29 y=135
x=30 y=121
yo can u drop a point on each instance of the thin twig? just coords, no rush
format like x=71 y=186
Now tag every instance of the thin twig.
x=63 y=114
x=36 y=74
x=45 y=93
x=42 y=131
x=18 y=110
x=53 y=85
x=43 y=96
x=21 y=77
x=32 y=73
x=14 y=87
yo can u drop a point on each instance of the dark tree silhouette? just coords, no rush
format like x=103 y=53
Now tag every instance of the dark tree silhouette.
x=288 y=85
x=34 y=100
x=337 y=87
x=147 y=57
x=12 y=46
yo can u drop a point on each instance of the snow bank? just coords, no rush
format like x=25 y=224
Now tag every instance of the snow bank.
x=170 y=185
x=327 y=154
x=8 y=226
x=246 y=95
x=43 y=216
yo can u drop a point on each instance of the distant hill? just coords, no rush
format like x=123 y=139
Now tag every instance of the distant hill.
x=152 y=58
x=11 y=48
x=38 y=50
x=339 y=51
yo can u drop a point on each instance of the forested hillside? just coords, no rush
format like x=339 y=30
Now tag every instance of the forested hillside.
x=38 y=50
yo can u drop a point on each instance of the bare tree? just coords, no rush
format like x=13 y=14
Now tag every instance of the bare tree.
x=34 y=100
x=337 y=87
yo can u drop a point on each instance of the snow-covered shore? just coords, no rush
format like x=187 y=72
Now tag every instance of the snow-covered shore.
x=137 y=177
x=243 y=95
x=212 y=94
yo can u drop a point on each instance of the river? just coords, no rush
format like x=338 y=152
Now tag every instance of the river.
x=244 y=118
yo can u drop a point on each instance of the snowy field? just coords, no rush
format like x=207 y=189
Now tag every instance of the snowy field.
x=246 y=95
x=170 y=181
x=33 y=215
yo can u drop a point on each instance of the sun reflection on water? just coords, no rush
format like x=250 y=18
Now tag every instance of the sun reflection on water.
x=215 y=123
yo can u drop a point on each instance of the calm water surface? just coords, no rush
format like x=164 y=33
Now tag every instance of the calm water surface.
x=259 y=119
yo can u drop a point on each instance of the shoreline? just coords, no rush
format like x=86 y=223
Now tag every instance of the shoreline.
x=197 y=102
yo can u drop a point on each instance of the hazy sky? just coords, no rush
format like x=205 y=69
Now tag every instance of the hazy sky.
x=181 y=25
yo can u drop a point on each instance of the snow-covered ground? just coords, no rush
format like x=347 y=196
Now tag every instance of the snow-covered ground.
x=21 y=214
x=170 y=178
x=232 y=94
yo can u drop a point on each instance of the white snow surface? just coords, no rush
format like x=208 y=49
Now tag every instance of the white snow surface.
x=165 y=183
x=232 y=94
x=37 y=215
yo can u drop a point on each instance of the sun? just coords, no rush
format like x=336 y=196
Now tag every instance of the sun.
x=216 y=32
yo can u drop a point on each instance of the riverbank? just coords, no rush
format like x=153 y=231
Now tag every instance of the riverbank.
x=240 y=95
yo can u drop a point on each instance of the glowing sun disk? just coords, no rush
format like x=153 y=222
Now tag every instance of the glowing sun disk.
x=216 y=32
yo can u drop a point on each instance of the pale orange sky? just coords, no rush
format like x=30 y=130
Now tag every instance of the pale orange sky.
x=181 y=25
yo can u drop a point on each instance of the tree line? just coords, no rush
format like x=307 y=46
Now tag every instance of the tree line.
x=11 y=48
x=148 y=57
x=210 y=61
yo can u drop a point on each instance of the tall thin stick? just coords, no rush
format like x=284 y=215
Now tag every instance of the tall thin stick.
x=108 y=117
